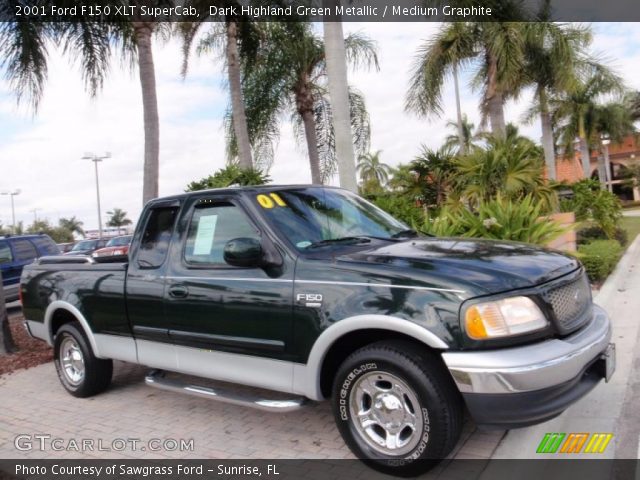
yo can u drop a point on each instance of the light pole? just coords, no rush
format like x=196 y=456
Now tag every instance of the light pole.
x=95 y=159
x=35 y=214
x=13 y=210
x=607 y=163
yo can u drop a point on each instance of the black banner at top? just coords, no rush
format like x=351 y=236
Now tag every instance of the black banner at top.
x=321 y=10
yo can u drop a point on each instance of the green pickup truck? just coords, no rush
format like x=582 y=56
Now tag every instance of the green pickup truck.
x=316 y=293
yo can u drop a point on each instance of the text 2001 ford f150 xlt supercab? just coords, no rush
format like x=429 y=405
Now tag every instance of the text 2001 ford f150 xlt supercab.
x=315 y=292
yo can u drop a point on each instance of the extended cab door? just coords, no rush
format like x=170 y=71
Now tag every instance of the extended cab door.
x=213 y=306
x=146 y=283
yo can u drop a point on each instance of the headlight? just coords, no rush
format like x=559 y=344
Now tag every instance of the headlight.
x=503 y=318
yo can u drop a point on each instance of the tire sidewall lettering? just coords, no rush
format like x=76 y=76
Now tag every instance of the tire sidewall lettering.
x=348 y=381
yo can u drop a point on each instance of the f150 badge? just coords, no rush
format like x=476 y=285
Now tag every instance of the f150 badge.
x=310 y=299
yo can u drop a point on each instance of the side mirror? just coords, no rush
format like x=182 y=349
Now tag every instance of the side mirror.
x=244 y=252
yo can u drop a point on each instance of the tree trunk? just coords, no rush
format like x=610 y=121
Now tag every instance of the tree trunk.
x=7 y=345
x=547 y=135
x=461 y=139
x=584 y=155
x=312 y=145
x=339 y=94
x=143 y=31
x=237 y=103
x=494 y=99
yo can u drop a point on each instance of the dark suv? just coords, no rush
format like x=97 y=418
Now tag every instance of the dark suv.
x=18 y=251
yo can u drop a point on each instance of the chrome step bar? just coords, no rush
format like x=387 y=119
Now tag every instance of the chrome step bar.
x=156 y=378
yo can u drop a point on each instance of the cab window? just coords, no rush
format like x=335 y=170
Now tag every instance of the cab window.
x=24 y=250
x=156 y=237
x=211 y=227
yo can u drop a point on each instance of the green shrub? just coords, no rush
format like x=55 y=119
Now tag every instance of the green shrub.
x=594 y=232
x=400 y=207
x=600 y=258
x=590 y=202
x=228 y=176
x=499 y=219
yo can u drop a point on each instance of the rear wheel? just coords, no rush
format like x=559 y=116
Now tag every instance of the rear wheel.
x=79 y=371
x=396 y=407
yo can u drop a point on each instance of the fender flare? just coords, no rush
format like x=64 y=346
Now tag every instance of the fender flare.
x=62 y=305
x=308 y=380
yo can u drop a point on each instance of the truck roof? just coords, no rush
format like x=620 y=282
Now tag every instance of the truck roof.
x=252 y=188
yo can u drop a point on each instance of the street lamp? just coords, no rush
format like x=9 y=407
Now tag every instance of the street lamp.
x=95 y=159
x=13 y=210
x=604 y=138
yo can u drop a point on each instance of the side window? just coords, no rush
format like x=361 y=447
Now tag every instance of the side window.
x=24 y=250
x=156 y=237
x=211 y=227
x=46 y=246
x=5 y=253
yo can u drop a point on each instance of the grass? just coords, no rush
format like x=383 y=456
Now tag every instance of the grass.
x=632 y=226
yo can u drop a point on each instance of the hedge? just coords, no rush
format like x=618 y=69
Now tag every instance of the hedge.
x=600 y=258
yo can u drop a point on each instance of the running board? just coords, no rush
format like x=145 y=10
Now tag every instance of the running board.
x=156 y=378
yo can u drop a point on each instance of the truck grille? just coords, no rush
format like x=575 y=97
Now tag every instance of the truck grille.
x=571 y=304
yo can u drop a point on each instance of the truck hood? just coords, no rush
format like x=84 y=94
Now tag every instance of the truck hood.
x=483 y=266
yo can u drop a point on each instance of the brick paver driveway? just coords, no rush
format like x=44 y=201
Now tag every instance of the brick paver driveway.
x=33 y=403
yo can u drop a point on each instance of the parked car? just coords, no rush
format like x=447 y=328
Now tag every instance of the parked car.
x=314 y=292
x=115 y=247
x=66 y=247
x=18 y=251
x=87 y=247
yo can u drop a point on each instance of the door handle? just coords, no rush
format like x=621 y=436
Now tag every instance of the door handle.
x=178 y=291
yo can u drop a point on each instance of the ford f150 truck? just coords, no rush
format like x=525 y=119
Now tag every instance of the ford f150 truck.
x=314 y=292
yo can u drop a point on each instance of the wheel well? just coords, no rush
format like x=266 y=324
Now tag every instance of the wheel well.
x=349 y=343
x=59 y=318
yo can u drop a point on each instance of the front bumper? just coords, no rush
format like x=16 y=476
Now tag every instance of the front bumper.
x=525 y=385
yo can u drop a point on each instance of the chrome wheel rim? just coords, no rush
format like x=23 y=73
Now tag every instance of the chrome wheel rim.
x=386 y=413
x=72 y=360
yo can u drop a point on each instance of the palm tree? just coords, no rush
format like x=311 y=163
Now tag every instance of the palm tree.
x=580 y=114
x=495 y=49
x=290 y=77
x=336 y=64
x=464 y=138
x=509 y=166
x=633 y=103
x=23 y=46
x=118 y=218
x=373 y=173
x=235 y=38
x=555 y=55
x=436 y=172
x=72 y=225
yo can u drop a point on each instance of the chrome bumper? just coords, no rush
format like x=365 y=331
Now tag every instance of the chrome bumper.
x=532 y=367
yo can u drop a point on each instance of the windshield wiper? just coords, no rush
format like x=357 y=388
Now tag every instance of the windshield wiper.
x=337 y=241
x=410 y=233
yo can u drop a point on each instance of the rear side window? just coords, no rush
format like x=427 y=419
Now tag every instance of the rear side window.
x=156 y=237
x=5 y=253
x=24 y=250
x=46 y=246
x=212 y=226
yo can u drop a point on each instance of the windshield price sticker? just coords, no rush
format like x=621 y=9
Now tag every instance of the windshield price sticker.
x=271 y=200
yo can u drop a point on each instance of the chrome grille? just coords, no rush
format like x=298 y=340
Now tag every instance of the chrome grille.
x=571 y=303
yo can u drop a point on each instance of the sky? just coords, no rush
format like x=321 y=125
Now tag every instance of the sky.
x=41 y=153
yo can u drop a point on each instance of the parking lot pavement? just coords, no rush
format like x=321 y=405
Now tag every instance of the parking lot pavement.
x=35 y=403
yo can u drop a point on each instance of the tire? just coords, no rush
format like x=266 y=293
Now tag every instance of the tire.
x=411 y=411
x=79 y=371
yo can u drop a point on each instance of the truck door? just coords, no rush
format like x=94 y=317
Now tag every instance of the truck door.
x=146 y=283
x=213 y=306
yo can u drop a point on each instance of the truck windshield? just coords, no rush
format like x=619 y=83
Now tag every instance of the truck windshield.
x=311 y=217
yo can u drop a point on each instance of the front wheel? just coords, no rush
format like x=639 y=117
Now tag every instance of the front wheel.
x=81 y=373
x=396 y=407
